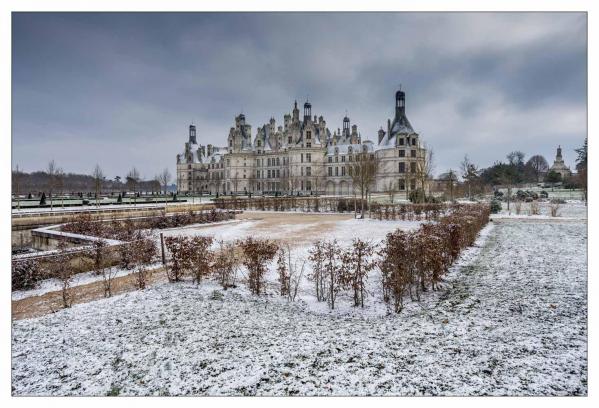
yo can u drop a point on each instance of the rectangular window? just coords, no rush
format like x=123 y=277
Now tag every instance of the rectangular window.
x=278 y=174
x=343 y=171
x=412 y=153
x=330 y=159
x=308 y=171
x=309 y=185
x=309 y=157
x=413 y=141
x=268 y=174
x=402 y=185
x=402 y=153
x=401 y=141
x=402 y=167
x=343 y=159
x=302 y=158
x=336 y=159
x=268 y=162
x=330 y=171
x=336 y=171
x=413 y=167
x=308 y=144
x=308 y=135
x=289 y=140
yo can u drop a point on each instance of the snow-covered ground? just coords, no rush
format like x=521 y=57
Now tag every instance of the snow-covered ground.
x=512 y=320
x=572 y=209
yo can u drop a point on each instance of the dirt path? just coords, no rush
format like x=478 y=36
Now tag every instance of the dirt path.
x=50 y=302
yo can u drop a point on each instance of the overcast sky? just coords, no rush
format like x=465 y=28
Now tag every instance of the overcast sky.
x=121 y=89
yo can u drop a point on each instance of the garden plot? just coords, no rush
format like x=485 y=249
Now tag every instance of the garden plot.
x=512 y=321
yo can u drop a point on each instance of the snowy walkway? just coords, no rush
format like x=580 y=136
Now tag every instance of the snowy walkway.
x=513 y=322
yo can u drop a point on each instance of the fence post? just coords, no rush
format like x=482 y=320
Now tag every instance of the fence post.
x=162 y=248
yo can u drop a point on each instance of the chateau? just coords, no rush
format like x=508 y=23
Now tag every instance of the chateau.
x=302 y=156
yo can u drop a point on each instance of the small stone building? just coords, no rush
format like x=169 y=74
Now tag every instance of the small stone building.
x=559 y=166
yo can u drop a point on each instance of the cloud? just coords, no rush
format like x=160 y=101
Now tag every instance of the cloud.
x=120 y=89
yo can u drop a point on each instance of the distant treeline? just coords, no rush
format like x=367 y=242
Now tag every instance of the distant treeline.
x=40 y=181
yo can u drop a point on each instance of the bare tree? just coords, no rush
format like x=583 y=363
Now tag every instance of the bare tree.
x=98 y=176
x=52 y=170
x=164 y=178
x=363 y=174
x=425 y=169
x=469 y=173
x=538 y=165
x=132 y=182
x=391 y=190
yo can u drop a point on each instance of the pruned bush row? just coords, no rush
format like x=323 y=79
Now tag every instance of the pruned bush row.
x=414 y=262
x=408 y=212
x=193 y=256
x=125 y=230
x=303 y=204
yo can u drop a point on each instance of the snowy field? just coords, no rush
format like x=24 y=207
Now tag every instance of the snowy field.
x=512 y=320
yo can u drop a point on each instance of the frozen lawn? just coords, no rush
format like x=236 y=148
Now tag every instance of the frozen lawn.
x=513 y=320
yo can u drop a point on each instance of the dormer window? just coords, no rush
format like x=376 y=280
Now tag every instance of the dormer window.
x=309 y=134
x=401 y=142
x=289 y=140
x=258 y=143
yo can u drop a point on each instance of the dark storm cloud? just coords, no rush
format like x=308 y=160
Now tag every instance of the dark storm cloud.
x=120 y=89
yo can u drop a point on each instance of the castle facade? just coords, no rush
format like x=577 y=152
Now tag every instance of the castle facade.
x=302 y=156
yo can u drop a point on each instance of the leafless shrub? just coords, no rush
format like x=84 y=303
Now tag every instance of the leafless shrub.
x=180 y=262
x=201 y=257
x=145 y=251
x=317 y=258
x=225 y=265
x=100 y=265
x=60 y=267
x=290 y=273
x=256 y=254
x=357 y=262
x=554 y=208
x=25 y=274
x=534 y=208
x=518 y=207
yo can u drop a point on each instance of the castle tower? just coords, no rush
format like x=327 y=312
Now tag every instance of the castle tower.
x=192 y=134
x=345 y=126
x=400 y=103
x=295 y=112
x=307 y=112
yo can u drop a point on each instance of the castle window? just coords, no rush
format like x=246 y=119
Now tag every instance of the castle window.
x=402 y=153
x=231 y=143
x=336 y=159
x=336 y=171
x=330 y=159
x=308 y=135
x=258 y=143
x=308 y=171
x=308 y=185
x=330 y=171
x=413 y=167
x=308 y=144
x=309 y=157
x=401 y=141
x=350 y=150
x=268 y=173
x=350 y=158
x=402 y=167
x=343 y=159
x=289 y=140
x=302 y=158
x=412 y=153
x=413 y=141
x=402 y=184
x=343 y=171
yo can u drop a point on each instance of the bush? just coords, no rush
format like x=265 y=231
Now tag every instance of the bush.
x=495 y=206
x=256 y=254
x=25 y=274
